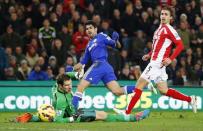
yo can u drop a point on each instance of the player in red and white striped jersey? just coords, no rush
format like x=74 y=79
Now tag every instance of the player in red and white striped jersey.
x=164 y=38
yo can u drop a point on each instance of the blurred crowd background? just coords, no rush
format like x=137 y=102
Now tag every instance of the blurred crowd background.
x=40 y=39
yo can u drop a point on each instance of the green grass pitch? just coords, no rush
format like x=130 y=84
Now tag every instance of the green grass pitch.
x=157 y=121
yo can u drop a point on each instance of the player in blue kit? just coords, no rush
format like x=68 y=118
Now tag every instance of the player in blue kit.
x=96 y=51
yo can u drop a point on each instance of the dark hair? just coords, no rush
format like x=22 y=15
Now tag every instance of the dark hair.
x=168 y=8
x=61 y=78
x=90 y=22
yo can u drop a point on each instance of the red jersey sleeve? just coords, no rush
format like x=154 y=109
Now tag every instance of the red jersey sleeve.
x=150 y=53
x=175 y=38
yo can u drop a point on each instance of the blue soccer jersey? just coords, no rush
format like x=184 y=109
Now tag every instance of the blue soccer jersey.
x=96 y=51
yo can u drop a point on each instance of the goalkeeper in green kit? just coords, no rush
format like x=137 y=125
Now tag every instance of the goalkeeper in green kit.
x=66 y=113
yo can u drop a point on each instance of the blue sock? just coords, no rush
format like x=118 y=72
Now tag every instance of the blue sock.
x=129 y=89
x=76 y=98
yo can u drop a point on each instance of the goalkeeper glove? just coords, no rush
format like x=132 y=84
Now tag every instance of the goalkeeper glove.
x=79 y=75
x=77 y=114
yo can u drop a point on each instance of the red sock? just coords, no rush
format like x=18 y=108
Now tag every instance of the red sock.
x=177 y=95
x=134 y=100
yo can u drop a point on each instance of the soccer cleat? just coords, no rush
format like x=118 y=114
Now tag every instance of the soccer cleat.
x=142 y=115
x=24 y=118
x=151 y=86
x=193 y=103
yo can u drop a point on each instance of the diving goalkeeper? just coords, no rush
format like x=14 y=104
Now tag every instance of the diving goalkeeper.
x=66 y=113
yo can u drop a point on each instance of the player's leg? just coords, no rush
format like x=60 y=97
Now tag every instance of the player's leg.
x=78 y=94
x=115 y=88
x=148 y=74
x=128 y=89
x=92 y=76
x=27 y=117
x=104 y=116
x=101 y=115
x=109 y=80
x=141 y=83
x=86 y=115
x=163 y=88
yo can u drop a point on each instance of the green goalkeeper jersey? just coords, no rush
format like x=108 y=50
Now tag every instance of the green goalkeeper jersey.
x=62 y=103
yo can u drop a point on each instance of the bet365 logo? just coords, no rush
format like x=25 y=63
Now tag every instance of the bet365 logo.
x=144 y=102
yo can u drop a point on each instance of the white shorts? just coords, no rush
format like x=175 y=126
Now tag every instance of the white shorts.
x=154 y=72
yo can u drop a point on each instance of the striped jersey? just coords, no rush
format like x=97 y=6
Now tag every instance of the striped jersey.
x=163 y=39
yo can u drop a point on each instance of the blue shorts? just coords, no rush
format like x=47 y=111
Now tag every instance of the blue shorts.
x=100 y=71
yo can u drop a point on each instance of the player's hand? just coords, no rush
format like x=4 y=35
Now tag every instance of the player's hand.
x=77 y=67
x=115 y=36
x=146 y=57
x=118 y=44
x=166 y=62
x=77 y=114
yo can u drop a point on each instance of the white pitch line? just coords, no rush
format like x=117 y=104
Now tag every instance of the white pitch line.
x=55 y=129
x=38 y=129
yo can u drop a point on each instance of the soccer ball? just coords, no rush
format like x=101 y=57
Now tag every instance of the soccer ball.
x=46 y=113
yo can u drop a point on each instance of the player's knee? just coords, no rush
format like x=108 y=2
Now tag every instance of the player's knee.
x=162 y=91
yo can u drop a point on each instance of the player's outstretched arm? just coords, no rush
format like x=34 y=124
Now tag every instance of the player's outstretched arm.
x=113 y=41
